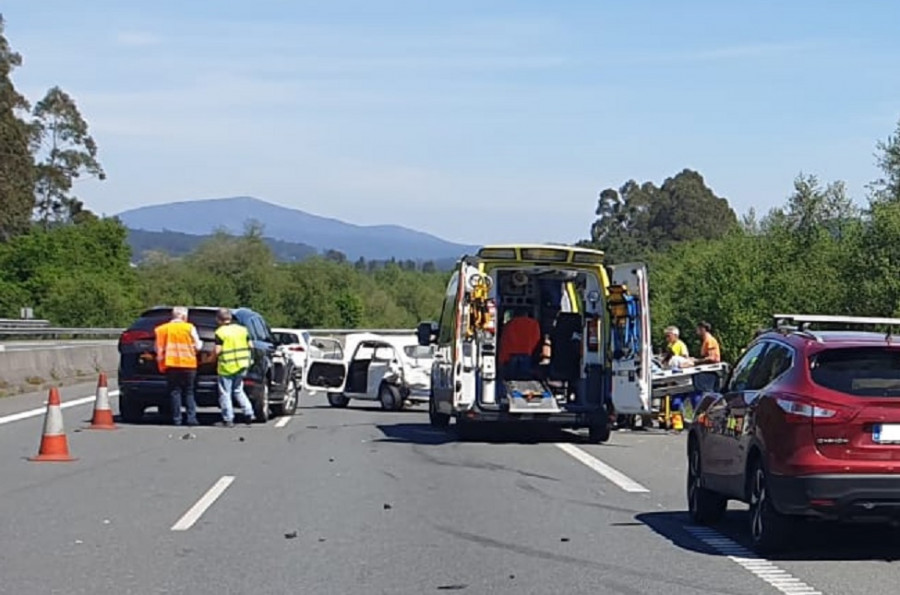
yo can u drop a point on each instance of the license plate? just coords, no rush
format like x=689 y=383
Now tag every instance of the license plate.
x=886 y=434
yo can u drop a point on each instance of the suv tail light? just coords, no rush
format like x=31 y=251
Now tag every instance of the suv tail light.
x=802 y=410
x=131 y=337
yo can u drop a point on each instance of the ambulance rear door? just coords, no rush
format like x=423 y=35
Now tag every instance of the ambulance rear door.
x=631 y=382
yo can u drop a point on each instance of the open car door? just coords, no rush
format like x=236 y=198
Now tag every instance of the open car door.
x=630 y=343
x=325 y=374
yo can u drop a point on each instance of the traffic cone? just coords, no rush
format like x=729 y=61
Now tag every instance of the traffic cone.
x=103 y=415
x=54 y=445
x=677 y=421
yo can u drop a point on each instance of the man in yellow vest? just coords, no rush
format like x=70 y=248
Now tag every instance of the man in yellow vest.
x=177 y=344
x=233 y=352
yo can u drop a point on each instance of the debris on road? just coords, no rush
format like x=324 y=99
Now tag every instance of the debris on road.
x=387 y=506
x=291 y=535
x=564 y=539
x=458 y=587
x=330 y=460
x=188 y=436
x=240 y=439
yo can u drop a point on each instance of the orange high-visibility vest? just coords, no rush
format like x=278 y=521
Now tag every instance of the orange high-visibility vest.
x=175 y=346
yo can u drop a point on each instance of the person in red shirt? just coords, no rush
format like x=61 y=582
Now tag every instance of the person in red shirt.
x=520 y=337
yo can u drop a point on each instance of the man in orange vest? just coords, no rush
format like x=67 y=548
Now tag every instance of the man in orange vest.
x=177 y=344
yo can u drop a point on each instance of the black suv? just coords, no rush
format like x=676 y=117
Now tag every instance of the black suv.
x=271 y=382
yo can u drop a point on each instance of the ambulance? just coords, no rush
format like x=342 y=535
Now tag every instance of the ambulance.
x=593 y=359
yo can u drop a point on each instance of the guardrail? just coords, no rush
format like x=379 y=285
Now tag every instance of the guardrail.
x=23 y=323
x=49 y=332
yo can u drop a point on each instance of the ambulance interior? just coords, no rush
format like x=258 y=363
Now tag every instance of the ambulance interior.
x=558 y=300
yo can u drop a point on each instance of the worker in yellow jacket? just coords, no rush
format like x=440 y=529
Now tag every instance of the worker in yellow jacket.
x=234 y=359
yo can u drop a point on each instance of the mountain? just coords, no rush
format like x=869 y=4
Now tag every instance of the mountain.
x=372 y=242
x=175 y=243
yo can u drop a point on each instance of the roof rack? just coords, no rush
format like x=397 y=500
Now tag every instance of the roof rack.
x=801 y=322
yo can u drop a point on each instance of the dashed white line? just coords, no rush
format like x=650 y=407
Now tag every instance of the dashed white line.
x=282 y=422
x=196 y=511
x=617 y=477
x=7 y=419
x=763 y=569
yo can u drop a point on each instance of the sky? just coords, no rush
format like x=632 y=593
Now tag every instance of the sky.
x=476 y=120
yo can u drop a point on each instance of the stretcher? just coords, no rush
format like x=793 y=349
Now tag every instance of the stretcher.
x=676 y=393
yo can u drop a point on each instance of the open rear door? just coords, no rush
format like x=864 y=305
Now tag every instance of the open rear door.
x=325 y=374
x=631 y=382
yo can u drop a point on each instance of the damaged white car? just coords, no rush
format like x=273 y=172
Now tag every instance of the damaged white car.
x=392 y=369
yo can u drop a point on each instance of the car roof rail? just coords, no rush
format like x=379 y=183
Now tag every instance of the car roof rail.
x=801 y=322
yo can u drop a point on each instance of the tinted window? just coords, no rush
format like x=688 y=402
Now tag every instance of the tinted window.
x=860 y=371
x=773 y=364
x=740 y=377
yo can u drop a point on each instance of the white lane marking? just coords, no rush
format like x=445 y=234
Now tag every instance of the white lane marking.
x=757 y=566
x=282 y=422
x=8 y=419
x=205 y=501
x=617 y=477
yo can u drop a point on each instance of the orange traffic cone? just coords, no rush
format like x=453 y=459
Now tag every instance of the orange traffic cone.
x=103 y=415
x=54 y=445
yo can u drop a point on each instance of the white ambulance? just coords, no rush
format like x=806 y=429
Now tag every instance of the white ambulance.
x=592 y=359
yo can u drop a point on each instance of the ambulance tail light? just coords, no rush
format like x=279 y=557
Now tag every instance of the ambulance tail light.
x=593 y=334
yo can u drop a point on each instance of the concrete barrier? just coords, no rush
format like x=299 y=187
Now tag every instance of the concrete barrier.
x=29 y=370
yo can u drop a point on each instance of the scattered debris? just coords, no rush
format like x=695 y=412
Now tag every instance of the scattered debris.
x=512 y=577
x=388 y=507
x=240 y=439
x=78 y=542
x=106 y=521
x=330 y=460
x=188 y=436
x=458 y=587
x=321 y=540
x=312 y=427
x=291 y=535
x=564 y=539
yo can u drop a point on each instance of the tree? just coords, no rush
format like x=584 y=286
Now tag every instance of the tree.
x=16 y=163
x=61 y=136
x=887 y=187
x=639 y=219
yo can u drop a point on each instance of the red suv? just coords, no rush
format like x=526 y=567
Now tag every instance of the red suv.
x=807 y=425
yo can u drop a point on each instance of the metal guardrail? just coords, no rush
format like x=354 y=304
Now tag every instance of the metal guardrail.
x=7 y=323
x=49 y=332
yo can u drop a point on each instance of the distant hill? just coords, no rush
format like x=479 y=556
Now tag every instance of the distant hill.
x=372 y=242
x=178 y=244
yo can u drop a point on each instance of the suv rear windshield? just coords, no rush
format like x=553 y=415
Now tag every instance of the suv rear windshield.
x=285 y=338
x=859 y=371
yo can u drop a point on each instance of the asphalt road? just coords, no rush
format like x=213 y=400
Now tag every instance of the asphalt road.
x=52 y=344
x=364 y=501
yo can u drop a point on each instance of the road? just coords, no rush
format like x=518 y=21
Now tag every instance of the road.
x=364 y=501
x=52 y=344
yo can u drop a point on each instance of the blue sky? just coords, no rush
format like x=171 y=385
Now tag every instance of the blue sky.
x=476 y=120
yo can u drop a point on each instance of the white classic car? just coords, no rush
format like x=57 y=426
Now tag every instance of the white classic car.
x=392 y=369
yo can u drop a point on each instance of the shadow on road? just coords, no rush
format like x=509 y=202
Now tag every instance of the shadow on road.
x=811 y=541
x=488 y=433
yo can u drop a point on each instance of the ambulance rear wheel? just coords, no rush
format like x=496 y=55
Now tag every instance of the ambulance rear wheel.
x=437 y=419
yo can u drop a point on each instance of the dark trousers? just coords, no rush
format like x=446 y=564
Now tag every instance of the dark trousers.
x=181 y=384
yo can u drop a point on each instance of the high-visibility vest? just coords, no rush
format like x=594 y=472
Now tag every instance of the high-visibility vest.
x=175 y=346
x=235 y=355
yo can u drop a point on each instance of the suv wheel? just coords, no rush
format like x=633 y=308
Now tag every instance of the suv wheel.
x=768 y=528
x=437 y=419
x=338 y=400
x=131 y=412
x=705 y=507
x=390 y=397
x=291 y=399
x=261 y=404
